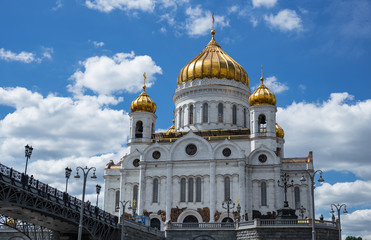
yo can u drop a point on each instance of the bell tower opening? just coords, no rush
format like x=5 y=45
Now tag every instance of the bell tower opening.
x=139 y=129
x=262 y=123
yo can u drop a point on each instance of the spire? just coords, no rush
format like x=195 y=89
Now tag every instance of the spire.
x=213 y=30
x=261 y=77
x=144 y=84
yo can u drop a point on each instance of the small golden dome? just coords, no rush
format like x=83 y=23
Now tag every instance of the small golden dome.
x=262 y=96
x=213 y=62
x=143 y=103
x=172 y=128
x=279 y=131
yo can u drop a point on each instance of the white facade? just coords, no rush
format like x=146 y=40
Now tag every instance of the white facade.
x=235 y=157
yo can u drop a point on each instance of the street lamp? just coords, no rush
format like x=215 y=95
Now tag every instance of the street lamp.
x=123 y=204
x=27 y=153
x=285 y=179
x=338 y=208
x=98 y=188
x=311 y=173
x=228 y=204
x=239 y=210
x=68 y=172
x=302 y=211
x=85 y=171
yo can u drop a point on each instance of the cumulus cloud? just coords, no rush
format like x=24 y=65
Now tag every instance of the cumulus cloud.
x=357 y=223
x=264 y=3
x=285 y=20
x=125 y=5
x=25 y=57
x=274 y=85
x=106 y=75
x=337 y=130
x=63 y=131
x=199 y=21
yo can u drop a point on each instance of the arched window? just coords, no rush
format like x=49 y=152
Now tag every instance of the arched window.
x=155 y=223
x=139 y=129
x=180 y=117
x=155 y=190
x=234 y=114
x=244 y=118
x=135 y=197
x=263 y=194
x=297 y=197
x=262 y=124
x=198 y=189
x=227 y=188
x=182 y=190
x=117 y=201
x=220 y=112
x=191 y=114
x=190 y=190
x=205 y=112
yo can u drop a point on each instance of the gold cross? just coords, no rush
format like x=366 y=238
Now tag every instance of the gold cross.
x=238 y=199
x=213 y=20
x=134 y=201
x=145 y=77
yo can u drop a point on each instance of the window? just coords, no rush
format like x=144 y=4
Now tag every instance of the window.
x=244 y=118
x=182 y=190
x=262 y=124
x=117 y=201
x=152 y=130
x=205 y=113
x=297 y=197
x=135 y=196
x=220 y=112
x=198 y=189
x=190 y=190
x=139 y=129
x=191 y=114
x=227 y=188
x=155 y=190
x=263 y=192
x=180 y=121
x=234 y=114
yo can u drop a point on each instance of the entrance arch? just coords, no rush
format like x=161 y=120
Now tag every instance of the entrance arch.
x=190 y=219
x=155 y=223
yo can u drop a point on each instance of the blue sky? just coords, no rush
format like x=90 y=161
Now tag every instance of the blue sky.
x=70 y=69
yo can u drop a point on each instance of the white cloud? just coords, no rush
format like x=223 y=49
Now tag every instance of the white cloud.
x=25 y=57
x=274 y=85
x=233 y=9
x=264 y=3
x=254 y=21
x=63 y=131
x=285 y=20
x=58 y=4
x=357 y=223
x=98 y=44
x=125 y=5
x=336 y=130
x=105 y=75
x=199 y=21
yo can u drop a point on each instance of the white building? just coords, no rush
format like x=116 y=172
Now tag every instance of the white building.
x=224 y=143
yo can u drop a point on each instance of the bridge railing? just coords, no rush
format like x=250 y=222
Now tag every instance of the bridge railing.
x=44 y=190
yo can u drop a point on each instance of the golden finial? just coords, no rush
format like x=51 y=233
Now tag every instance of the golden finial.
x=144 y=84
x=261 y=77
x=213 y=31
x=238 y=199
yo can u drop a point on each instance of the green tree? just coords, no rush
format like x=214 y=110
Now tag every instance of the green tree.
x=353 y=238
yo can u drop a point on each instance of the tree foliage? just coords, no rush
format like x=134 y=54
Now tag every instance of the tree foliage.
x=353 y=238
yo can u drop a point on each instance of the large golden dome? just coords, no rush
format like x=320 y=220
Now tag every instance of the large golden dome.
x=143 y=103
x=262 y=96
x=279 y=131
x=213 y=62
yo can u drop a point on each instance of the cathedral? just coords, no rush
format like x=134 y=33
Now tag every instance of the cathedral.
x=224 y=144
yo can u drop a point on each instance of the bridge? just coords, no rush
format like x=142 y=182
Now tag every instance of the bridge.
x=32 y=201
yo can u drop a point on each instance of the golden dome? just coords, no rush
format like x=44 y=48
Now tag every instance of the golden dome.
x=171 y=129
x=262 y=96
x=143 y=103
x=279 y=131
x=213 y=62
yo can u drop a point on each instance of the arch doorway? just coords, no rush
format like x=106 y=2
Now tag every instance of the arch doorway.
x=190 y=219
x=155 y=223
x=227 y=219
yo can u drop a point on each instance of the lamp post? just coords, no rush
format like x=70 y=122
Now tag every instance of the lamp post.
x=68 y=172
x=123 y=204
x=311 y=173
x=285 y=179
x=227 y=205
x=338 y=208
x=239 y=210
x=85 y=171
x=302 y=211
x=98 y=188
x=27 y=153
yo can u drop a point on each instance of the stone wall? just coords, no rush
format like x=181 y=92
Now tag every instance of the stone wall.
x=200 y=234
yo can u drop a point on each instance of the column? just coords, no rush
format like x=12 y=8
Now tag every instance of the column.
x=142 y=188
x=212 y=191
x=241 y=180
x=122 y=190
x=278 y=191
x=169 y=190
x=250 y=193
